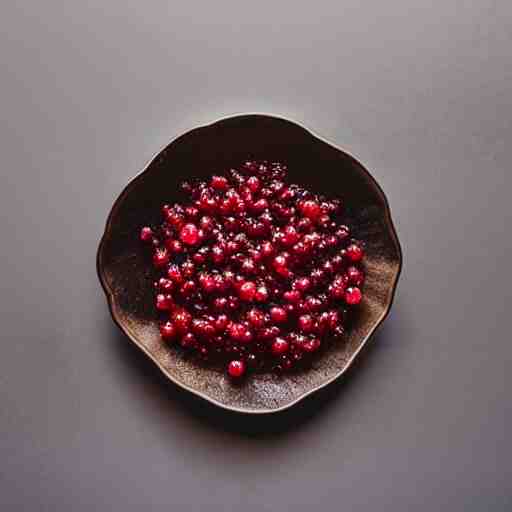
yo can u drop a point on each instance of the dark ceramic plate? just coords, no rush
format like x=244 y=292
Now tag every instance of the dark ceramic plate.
x=127 y=278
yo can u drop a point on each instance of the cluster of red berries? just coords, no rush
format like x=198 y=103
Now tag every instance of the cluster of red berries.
x=256 y=273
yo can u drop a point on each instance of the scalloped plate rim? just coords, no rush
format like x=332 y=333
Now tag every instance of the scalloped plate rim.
x=111 y=300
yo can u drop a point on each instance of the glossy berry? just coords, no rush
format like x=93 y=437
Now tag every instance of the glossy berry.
x=188 y=269
x=181 y=319
x=174 y=274
x=280 y=265
x=353 y=295
x=168 y=331
x=261 y=294
x=248 y=266
x=256 y=317
x=220 y=304
x=280 y=346
x=188 y=340
x=290 y=236
x=240 y=332
x=260 y=206
x=311 y=209
x=278 y=315
x=219 y=183
x=221 y=322
x=247 y=291
x=189 y=234
x=292 y=296
x=253 y=183
x=267 y=249
x=217 y=254
x=207 y=282
x=337 y=288
x=163 y=302
x=236 y=369
x=311 y=345
x=161 y=258
x=314 y=303
x=188 y=288
x=206 y=223
x=302 y=284
x=191 y=212
x=355 y=252
x=165 y=285
x=146 y=234
x=355 y=276
x=174 y=246
x=306 y=324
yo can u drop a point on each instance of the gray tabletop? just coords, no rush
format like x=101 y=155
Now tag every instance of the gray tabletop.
x=421 y=94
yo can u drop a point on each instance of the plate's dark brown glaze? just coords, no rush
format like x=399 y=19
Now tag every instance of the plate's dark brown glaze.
x=126 y=275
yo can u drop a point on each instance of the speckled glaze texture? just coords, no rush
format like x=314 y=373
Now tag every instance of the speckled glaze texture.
x=126 y=273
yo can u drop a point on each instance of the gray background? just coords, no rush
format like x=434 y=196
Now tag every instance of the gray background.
x=419 y=91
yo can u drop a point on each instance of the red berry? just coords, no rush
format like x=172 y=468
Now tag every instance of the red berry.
x=191 y=212
x=259 y=206
x=248 y=266
x=305 y=225
x=302 y=284
x=306 y=323
x=181 y=319
x=292 y=296
x=261 y=294
x=189 y=234
x=164 y=302
x=221 y=323
x=233 y=303
x=221 y=285
x=236 y=369
x=168 y=331
x=239 y=332
x=207 y=282
x=337 y=288
x=355 y=252
x=342 y=233
x=219 y=183
x=256 y=317
x=217 y=254
x=311 y=345
x=220 y=303
x=188 y=340
x=160 y=258
x=188 y=268
x=188 y=288
x=278 y=315
x=323 y=323
x=174 y=246
x=253 y=183
x=334 y=319
x=291 y=236
x=247 y=291
x=175 y=274
x=355 y=276
x=353 y=295
x=199 y=257
x=207 y=204
x=280 y=346
x=314 y=304
x=310 y=209
x=146 y=234
x=166 y=285
x=280 y=265
x=267 y=249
